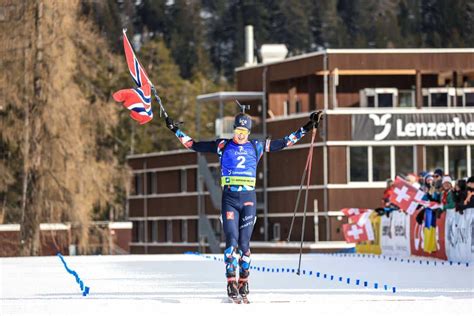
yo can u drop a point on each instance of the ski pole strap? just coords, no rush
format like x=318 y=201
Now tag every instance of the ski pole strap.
x=235 y=180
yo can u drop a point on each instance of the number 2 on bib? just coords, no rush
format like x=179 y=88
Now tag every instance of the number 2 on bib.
x=241 y=163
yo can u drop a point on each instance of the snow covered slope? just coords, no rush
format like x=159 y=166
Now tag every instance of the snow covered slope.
x=182 y=284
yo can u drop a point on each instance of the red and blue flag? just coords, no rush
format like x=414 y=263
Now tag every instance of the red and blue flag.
x=137 y=100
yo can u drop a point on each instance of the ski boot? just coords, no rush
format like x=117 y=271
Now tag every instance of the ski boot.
x=233 y=290
x=244 y=263
x=230 y=259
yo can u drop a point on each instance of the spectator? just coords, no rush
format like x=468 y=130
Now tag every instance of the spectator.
x=468 y=201
x=438 y=178
x=413 y=180
x=386 y=194
x=460 y=194
x=434 y=194
x=387 y=207
x=421 y=178
x=447 y=195
x=427 y=186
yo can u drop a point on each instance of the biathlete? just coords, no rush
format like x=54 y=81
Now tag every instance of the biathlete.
x=239 y=157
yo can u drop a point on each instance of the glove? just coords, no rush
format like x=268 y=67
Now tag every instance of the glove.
x=171 y=124
x=314 y=119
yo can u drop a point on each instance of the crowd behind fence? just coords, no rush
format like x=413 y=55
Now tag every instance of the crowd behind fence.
x=442 y=228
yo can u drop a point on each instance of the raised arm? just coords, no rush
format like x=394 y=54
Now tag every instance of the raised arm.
x=188 y=142
x=293 y=138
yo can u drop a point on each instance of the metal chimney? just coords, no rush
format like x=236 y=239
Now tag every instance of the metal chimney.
x=249 y=58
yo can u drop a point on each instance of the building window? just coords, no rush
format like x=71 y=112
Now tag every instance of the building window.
x=434 y=156
x=385 y=100
x=169 y=230
x=404 y=160
x=152 y=185
x=184 y=230
x=406 y=98
x=381 y=163
x=138 y=184
x=358 y=164
x=469 y=99
x=457 y=157
x=276 y=232
x=135 y=232
x=184 y=180
x=298 y=106
x=370 y=101
x=378 y=97
x=439 y=99
x=154 y=231
x=141 y=231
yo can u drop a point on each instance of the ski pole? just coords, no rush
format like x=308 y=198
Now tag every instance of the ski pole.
x=310 y=159
x=158 y=99
x=298 y=199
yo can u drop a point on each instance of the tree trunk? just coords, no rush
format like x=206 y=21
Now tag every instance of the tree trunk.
x=31 y=199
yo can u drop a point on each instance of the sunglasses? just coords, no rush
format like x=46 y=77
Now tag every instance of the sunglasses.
x=241 y=131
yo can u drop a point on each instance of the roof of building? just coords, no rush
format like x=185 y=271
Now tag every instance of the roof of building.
x=230 y=96
x=365 y=51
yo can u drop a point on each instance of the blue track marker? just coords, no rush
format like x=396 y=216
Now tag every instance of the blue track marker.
x=266 y=269
x=84 y=289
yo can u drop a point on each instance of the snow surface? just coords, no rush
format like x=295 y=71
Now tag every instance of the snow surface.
x=184 y=284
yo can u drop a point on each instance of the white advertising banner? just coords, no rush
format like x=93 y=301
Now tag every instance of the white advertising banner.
x=459 y=236
x=395 y=234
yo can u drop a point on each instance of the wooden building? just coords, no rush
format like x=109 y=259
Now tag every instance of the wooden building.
x=387 y=112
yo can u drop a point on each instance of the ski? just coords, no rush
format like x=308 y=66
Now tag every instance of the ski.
x=234 y=300
x=245 y=300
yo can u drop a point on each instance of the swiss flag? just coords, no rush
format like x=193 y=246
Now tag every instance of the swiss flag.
x=355 y=233
x=354 y=211
x=405 y=196
x=430 y=204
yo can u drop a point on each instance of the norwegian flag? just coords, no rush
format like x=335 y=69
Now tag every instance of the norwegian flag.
x=356 y=233
x=406 y=196
x=137 y=100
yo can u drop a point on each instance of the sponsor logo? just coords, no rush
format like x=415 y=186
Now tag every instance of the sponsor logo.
x=243 y=121
x=379 y=122
x=229 y=215
x=452 y=129
x=241 y=151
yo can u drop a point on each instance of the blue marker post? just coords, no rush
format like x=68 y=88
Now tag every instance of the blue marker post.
x=84 y=289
